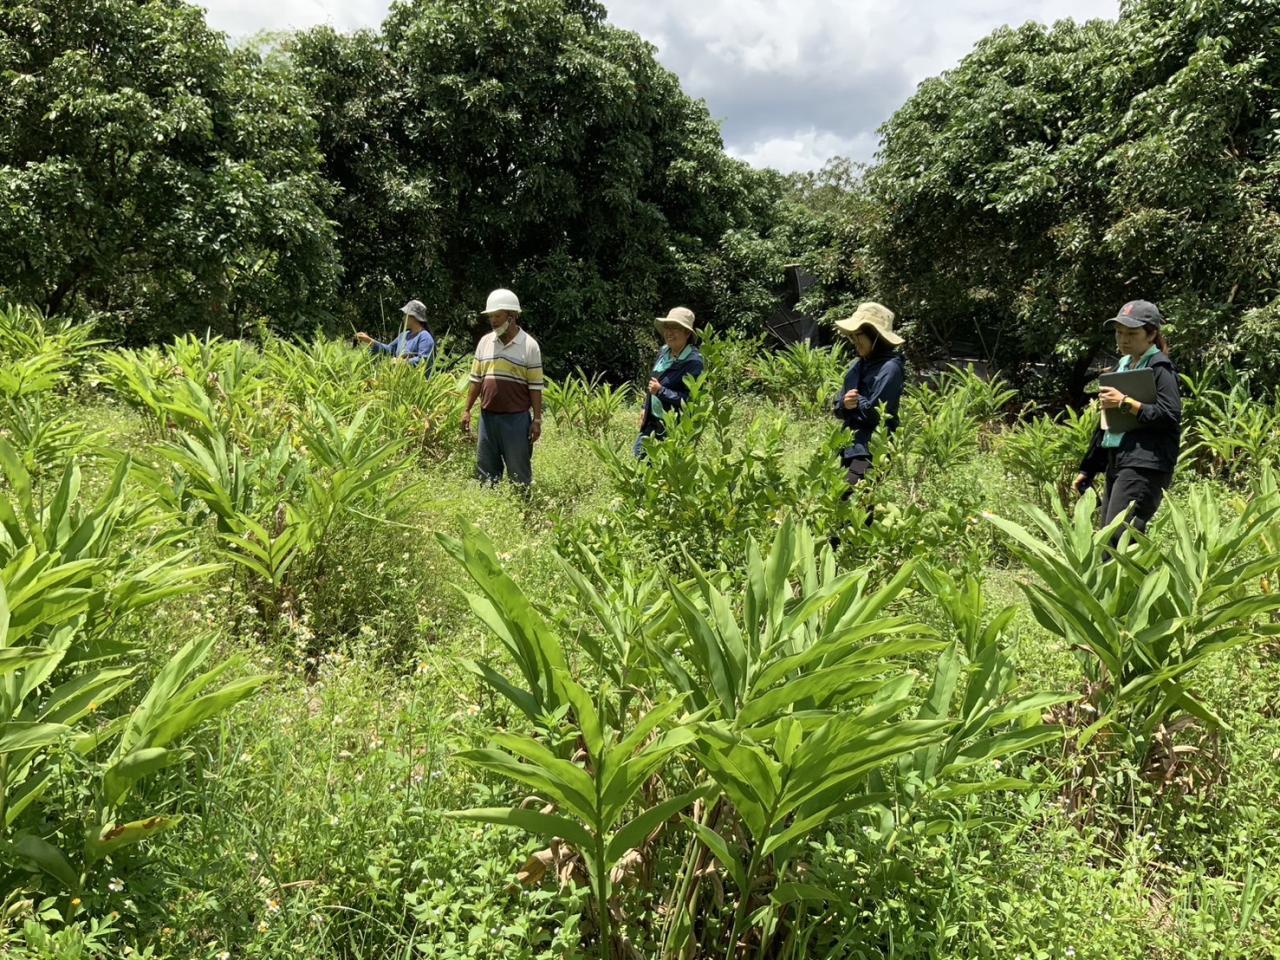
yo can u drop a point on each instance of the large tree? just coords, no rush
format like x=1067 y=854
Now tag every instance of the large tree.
x=149 y=173
x=1058 y=172
x=527 y=143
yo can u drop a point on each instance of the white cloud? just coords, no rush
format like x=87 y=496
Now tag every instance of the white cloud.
x=240 y=18
x=789 y=79
x=804 y=150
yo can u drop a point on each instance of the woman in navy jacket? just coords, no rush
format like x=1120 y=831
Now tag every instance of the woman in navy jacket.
x=678 y=362
x=875 y=378
x=1138 y=463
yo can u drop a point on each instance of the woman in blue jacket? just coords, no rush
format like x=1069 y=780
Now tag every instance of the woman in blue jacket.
x=678 y=362
x=876 y=377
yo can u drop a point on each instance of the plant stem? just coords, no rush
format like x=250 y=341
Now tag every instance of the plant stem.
x=602 y=900
x=744 y=903
x=691 y=863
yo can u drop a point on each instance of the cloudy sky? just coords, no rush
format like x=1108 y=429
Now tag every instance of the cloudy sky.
x=793 y=82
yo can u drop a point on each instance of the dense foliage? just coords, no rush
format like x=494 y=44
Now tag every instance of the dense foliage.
x=1057 y=173
x=152 y=175
x=531 y=145
x=316 y=692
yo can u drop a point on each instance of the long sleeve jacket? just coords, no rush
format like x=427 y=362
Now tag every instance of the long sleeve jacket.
x=877 y=380
x=674 y=392
x=416 y=348
x=1154 y=444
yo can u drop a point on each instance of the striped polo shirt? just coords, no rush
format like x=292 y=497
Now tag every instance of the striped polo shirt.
x=507 y=372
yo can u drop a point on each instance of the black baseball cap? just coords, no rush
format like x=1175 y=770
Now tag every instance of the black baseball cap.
x=1138 y=313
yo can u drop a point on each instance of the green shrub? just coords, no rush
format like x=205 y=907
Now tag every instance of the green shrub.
x=802 y=377
x=67 y=582
x=707 y=489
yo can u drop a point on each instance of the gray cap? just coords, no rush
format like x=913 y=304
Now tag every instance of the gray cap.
x=1138 y=313
x=416 y=309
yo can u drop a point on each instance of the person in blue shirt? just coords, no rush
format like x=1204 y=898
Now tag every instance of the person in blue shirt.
x=876 y=377
x=414 y=345
x=668 y=390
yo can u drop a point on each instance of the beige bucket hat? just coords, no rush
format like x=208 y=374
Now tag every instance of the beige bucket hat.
x=679 y=316
x=874 y=315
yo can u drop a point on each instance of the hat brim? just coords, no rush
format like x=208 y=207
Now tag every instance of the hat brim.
x=661 y=322
x=1133 y=323
x=490 y=313
x=849 y=328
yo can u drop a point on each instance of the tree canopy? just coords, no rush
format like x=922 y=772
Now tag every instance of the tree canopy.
x=526 y=143
x=1059 y=172
x=152 y=173
x=149 y=173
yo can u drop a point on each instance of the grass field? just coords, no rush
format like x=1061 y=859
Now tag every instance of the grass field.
x=309 y=809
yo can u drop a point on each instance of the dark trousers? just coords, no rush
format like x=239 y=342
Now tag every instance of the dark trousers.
x=855 y=472
x=504 y=442
x=1144 y=489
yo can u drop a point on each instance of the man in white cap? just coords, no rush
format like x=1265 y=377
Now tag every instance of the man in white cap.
x=506 y=377
x=414 y=345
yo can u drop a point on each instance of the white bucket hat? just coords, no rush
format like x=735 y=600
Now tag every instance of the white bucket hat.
x=678 y=316
x=874 y=315
x=501 y=299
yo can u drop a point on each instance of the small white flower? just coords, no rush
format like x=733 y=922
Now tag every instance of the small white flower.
x=116 y=885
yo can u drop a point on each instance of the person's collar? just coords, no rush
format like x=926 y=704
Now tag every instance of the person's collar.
x=508 y=342
x=686 y=352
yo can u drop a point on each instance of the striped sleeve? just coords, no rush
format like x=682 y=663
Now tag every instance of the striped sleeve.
x=477 y=372
x=533 y=365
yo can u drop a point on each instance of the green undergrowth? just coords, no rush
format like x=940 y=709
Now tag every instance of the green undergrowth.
x=313 y=815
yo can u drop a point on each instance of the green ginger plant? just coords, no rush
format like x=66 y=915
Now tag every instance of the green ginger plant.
x=1143 y=617
x=1046 y=450
x=41 y=359
x=1229 y=430
x=277 y=511
x=789 y=694
x=66 y=582
x=802 y=376
x=586 y=403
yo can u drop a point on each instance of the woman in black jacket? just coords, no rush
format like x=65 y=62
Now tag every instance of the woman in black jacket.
x=1138 y=463
x=678 y=361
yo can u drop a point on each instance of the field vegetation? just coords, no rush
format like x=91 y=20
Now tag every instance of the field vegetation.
x=280 y=679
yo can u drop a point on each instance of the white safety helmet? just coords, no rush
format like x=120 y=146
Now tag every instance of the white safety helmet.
x=502 y=300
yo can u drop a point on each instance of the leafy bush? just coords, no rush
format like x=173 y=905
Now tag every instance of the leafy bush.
x=801 y=376
x=66 y=584
x=705 y=490
x=728 y=357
